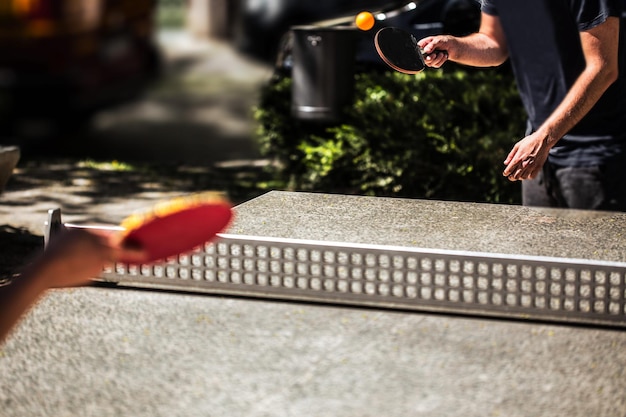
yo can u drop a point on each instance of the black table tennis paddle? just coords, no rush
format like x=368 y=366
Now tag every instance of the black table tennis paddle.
x=399 y=49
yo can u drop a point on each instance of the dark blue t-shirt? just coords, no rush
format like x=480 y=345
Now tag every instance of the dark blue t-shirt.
x=545 y=51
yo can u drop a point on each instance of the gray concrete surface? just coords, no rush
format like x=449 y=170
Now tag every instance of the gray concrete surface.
x=459 y=226
x=101 y=352
x=129 y=352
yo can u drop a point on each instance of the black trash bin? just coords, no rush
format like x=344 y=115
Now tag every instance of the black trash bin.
x=323 y=72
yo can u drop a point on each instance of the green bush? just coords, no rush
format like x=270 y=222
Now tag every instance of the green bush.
x=438 y=135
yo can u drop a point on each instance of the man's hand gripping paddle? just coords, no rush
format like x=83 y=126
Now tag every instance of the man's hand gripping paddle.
x=399 y=50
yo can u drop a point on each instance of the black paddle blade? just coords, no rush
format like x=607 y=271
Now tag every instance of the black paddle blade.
x=399 y=50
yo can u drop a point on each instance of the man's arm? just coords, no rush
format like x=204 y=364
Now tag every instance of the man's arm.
x=601 y=70
x=485 y=48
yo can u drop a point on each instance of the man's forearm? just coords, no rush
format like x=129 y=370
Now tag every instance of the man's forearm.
x=583 y=95
x=485 y=48
x=478 y=50
x=600 y=46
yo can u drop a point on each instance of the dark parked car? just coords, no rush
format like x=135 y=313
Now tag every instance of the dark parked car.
x=63 y=60
x=260 y=24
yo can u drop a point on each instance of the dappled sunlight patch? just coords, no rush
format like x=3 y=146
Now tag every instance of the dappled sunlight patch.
x=106 y=165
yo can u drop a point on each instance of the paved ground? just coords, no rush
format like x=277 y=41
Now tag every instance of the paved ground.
x=100 y=352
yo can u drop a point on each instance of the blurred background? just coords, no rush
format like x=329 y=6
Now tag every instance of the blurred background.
x=118 y=79
x=164 y=79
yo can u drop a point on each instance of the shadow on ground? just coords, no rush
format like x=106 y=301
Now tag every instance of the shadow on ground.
x=104 y=182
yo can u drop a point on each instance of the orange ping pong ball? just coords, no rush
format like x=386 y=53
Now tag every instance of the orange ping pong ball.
x=364 y=20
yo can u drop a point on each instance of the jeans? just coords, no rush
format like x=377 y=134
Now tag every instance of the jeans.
x=601 y=187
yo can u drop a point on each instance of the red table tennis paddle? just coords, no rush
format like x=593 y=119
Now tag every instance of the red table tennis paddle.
x=177 y=226
x=399 y=49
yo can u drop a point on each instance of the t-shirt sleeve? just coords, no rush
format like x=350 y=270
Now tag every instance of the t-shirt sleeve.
x=591 y=13
x=487 y=6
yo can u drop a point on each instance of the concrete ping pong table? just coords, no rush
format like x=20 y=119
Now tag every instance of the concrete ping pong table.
x=335 y=305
